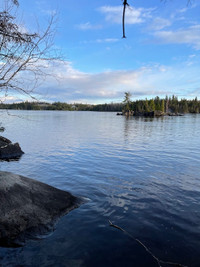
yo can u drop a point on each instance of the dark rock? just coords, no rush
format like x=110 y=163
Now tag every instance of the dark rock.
x=9 y=150
x=2 y=129
x=5 y=140
x=137 y=113
x=149 y=114
x=174 y=114
x=128 y=112
x=29 y=207
x=156 y=113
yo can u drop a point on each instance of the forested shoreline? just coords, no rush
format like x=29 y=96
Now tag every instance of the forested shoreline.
x=167 y=104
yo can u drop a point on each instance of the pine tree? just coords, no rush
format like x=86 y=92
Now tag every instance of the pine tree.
x=127 y=100
x=163 y=105
x=152 y=105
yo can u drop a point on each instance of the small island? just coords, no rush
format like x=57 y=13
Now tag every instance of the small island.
x=158 y=107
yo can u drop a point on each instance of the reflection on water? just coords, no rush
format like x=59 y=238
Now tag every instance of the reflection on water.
x=140 y=173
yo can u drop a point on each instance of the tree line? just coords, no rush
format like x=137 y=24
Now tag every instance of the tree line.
x=167 y=104
x=115 y=107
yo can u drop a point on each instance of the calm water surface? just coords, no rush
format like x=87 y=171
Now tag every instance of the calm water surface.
x=142 y=174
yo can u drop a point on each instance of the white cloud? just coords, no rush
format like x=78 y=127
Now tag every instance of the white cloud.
x=192 y=56
x=190 y=36
x=88 y=26
x=113 y=14
x=160 y=23
x=67 y=84
x=72 y=85
x=107 y=40
x=10 y=99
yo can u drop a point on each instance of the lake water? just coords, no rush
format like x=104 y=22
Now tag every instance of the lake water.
x=142 y=174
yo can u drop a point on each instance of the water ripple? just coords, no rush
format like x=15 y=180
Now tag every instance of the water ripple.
x=143 y=174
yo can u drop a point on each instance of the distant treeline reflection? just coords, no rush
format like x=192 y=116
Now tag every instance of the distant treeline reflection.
x=171 y=104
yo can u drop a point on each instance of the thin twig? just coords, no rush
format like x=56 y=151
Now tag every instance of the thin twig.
x=159 y=262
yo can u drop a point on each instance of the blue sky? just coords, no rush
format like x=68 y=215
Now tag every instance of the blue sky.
x=161 y=54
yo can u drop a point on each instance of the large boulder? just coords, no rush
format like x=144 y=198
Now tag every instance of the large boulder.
x=8 y=150
x=29 y=207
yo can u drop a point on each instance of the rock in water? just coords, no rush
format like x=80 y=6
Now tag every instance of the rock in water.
x=29 y=207
x=9 y=150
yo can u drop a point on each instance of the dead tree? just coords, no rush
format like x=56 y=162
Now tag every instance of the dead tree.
x=24 y=56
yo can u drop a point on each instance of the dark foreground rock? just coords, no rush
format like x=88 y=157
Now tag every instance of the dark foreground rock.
x=29 y=207
x=8 y=150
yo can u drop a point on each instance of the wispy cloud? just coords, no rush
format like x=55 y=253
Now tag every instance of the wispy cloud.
x=107 y=40
x=182 y=10
x=100 y=41
x=88 y=26
x=113 y=14
x=10 y=99
x=44 y=8
x=160 y=23
x=72 y=85
x=190 y=36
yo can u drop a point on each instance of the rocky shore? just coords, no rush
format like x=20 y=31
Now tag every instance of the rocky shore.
x=29 y=207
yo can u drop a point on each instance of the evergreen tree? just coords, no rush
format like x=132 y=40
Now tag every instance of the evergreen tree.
x=127 y=100
x=152 y=105
x=146 y=105
x=163 y=105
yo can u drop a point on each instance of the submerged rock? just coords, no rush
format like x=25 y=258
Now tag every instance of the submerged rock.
x=8 y=150
x=29 y=207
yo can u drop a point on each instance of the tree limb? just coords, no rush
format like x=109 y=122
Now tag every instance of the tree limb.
x=125 y=4
x=159 y=262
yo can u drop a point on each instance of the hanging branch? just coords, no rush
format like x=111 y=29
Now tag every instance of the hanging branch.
x=159 y=262
x=125 y=4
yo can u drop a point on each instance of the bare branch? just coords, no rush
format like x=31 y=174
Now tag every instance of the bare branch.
x=159 y=262
x=24 y=56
